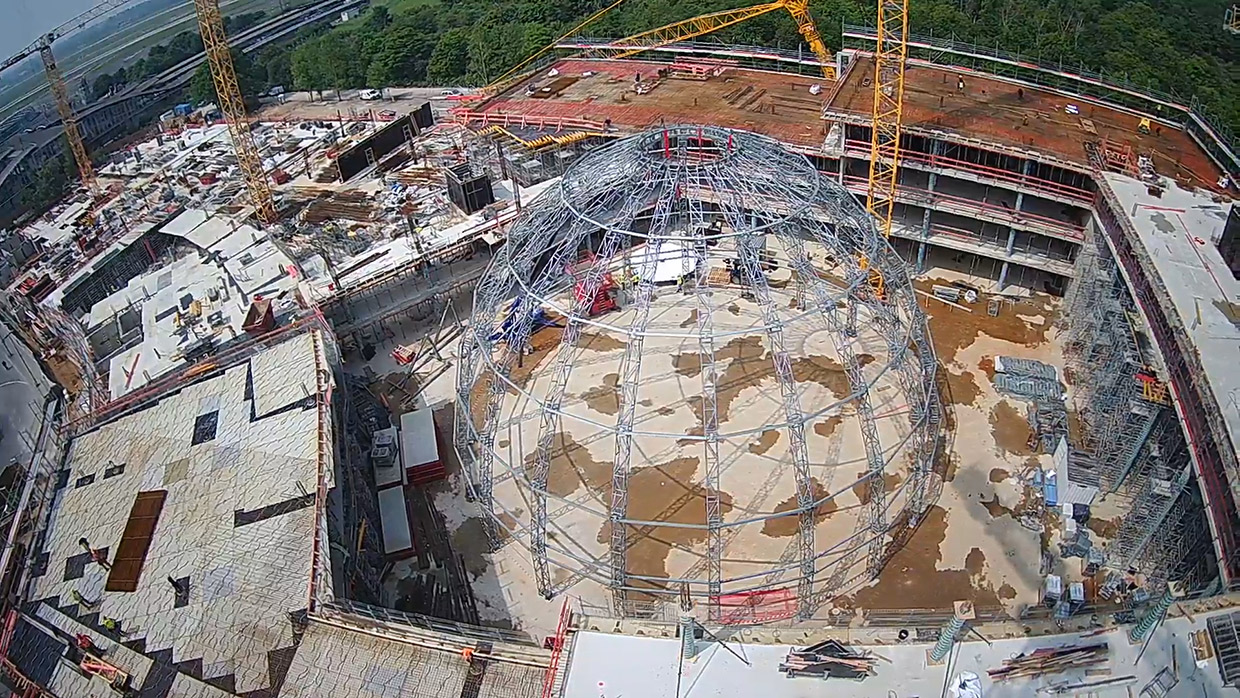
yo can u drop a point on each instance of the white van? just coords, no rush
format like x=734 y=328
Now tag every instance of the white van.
x=370 y=95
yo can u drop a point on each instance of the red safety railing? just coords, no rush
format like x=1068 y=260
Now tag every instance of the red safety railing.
x=557 y=649
x=747 y=608
x=861 y=149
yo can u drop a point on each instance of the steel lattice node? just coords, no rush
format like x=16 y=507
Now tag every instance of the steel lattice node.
x=679 y=374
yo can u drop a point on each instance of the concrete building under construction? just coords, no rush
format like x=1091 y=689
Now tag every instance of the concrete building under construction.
x=606 y=383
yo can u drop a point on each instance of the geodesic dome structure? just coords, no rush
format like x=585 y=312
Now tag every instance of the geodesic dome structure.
x=696 y=368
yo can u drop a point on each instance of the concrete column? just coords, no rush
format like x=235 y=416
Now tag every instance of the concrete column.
x=933 y=178
x=839 y=176
x=1151 y=619
x=1020 y=200
x=1003 y=276
x=921 y=257
x=947 y=636
x=925 y=224
x=1011 y=240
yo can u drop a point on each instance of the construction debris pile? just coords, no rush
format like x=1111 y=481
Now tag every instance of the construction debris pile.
x=829 y=659
x=1050 y=660
x=1037 y=383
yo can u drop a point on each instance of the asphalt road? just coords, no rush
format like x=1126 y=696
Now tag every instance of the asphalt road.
x=23 y=389
x=298 y=105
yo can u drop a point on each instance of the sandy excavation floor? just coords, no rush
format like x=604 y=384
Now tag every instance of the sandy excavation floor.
x=972 y=544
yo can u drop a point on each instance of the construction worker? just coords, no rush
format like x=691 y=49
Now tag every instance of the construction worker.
x=111 y=625
x=467 y=654
x=82 y=600
x=87 y=645
x=96 y=554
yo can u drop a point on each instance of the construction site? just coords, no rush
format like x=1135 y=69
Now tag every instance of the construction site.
x=656 y=367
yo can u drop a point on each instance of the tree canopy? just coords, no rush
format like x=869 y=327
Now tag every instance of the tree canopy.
x=1169 y=45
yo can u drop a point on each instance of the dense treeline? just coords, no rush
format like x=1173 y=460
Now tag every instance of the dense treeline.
x=163 y=56
x=1171 y=45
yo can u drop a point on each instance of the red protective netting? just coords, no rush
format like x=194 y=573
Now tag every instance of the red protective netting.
x=756 y=606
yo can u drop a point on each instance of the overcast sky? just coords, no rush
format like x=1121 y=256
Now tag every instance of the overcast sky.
x=25 y=20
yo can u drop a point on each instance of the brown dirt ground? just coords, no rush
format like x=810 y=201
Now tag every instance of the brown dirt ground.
x=1104 y=528
x=1007 y=592
x=987 y=366
x=687 y=365
x=786 y=526
x=952 y=329
x=995 y=509
x=1011 y=429
x=828 y=426
x=661 y=493
x=572 y=466
x=975 y=562
x=999 y=474
x=766 y=442
x=911 y=580
x=690 y=321
x=862 y=489
x=963 y=386
x=593 y=341
x=604 y=398
x=749 y=364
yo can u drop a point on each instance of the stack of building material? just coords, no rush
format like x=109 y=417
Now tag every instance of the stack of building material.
x=1050 y=660
x=1038 y=383
x=419 y=447
x=828 y=659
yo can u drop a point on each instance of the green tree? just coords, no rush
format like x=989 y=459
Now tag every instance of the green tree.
x=378 y=19
x=306 y=65
x=493 y=49
x=202 y=86
x=401 y=58
x=450 y=58
x=50 y=183
x=275 y=64
x=341 y=64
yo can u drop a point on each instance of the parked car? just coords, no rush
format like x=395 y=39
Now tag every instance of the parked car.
x=275 y=91
x=387 y=115
x=370 y=95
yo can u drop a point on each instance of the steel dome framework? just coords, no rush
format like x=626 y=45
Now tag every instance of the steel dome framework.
x=656 y=217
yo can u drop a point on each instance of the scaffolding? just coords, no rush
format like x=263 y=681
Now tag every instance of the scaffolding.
x=715 y=225
x=1138 y=453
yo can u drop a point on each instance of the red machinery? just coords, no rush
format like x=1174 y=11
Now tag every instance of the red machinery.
x=602 y=301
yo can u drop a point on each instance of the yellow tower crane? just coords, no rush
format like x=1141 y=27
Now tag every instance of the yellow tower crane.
x=60 y=95
x=219 y=58
x=60 y=92
x=890 y=55
x=669 y=34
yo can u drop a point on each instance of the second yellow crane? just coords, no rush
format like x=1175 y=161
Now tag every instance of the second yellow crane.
x=227 y=90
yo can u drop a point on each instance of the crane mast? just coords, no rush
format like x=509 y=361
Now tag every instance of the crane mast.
x=219 y=58
x=60 y=95
x=889 y=58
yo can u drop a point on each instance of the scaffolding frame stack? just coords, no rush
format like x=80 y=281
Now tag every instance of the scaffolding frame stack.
x=1137 y=449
